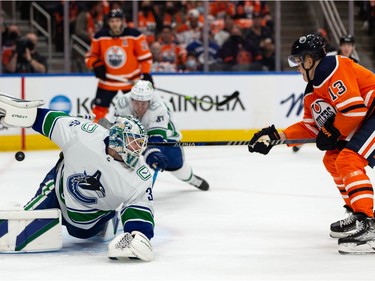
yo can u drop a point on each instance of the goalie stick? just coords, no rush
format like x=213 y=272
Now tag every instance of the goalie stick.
x=189 y=98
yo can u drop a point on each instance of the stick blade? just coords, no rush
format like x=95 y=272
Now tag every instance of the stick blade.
x=231 y=97
x=104 y=122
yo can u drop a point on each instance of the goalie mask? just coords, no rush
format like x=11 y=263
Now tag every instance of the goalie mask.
x=128 y=138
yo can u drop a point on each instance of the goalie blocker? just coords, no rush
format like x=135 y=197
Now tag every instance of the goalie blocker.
x=30 y=231
x=16 y=112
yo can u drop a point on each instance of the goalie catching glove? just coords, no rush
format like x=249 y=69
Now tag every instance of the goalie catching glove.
x=259 y=142
x=131 y=245
x=17 y=112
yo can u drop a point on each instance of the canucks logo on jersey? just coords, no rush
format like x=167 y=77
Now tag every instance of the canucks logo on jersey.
x=80 y=185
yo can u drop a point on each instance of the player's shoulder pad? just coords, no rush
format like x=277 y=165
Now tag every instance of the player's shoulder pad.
x=104 y=32
x=131 y=32
x=327 y=65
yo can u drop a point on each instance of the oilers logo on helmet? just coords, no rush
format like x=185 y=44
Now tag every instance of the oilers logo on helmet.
x=115 y=57
x=302 y=39
x=321 y=112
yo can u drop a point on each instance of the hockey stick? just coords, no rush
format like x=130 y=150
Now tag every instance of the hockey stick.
x=107 y=124
x=189 y=98
x=231 y=143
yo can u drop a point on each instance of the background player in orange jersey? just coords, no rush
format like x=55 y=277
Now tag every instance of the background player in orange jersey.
x=339 y=103
x=119 y=51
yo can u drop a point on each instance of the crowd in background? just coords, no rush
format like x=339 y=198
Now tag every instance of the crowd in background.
x=241 y=33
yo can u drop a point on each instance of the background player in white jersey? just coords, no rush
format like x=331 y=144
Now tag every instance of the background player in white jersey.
x=98 y=171
x=155 y=115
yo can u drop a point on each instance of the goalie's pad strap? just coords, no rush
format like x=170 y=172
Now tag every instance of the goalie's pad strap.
x=30 y=231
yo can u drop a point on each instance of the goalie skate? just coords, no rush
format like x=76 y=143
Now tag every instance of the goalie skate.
x=361 y=242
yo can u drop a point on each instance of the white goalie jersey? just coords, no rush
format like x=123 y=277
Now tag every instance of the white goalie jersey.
x=90 y=183
x=157 y=120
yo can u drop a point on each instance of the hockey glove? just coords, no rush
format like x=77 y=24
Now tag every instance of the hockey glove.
x=99 y=70
x=148 y=77
x=259 y=143
x=156 y=159
x=328 y=136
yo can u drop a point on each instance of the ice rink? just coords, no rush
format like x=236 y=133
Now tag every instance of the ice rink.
x=264 y=218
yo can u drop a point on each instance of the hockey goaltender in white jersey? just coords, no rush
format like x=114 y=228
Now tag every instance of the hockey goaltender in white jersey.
x=99 y=171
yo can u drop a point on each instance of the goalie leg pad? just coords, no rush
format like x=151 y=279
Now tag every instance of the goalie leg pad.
x=134 y=245
x=30 y=231
x=18 y=113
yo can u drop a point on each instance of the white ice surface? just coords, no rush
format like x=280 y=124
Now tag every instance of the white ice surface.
x=264 y=218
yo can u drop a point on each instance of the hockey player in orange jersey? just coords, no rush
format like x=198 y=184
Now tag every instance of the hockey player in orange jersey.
x=119 y=51
x=339 y=112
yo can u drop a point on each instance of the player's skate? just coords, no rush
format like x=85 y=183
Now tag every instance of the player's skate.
x=363 y=240
x=199 y=183
x=344 y=227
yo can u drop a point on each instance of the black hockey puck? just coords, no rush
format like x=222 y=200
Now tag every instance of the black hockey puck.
x=20 y=156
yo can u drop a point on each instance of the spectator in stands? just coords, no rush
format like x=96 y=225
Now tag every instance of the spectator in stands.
x=158 y=64
x=10 y=35
x=171 y=51
x=220 y=9
x=173 y=16
x=24 y=57
x=268 y=54
x=367 y=13
x=89 y=21
x=197 y=48
x=58 y=16
x=221 y=36
x=148 y=21
x=191 y=29
x=347 y=47
x=243 y=15
x=192 y=63
x=257 y=32
x=238 y=54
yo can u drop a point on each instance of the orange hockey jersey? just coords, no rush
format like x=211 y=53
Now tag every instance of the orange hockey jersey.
x=126 y=56
x=340 y=87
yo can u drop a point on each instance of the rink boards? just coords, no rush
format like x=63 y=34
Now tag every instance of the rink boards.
x=265 y=98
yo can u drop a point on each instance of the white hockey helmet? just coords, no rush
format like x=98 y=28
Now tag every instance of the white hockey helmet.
x=142 y=91
x=128 y=138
